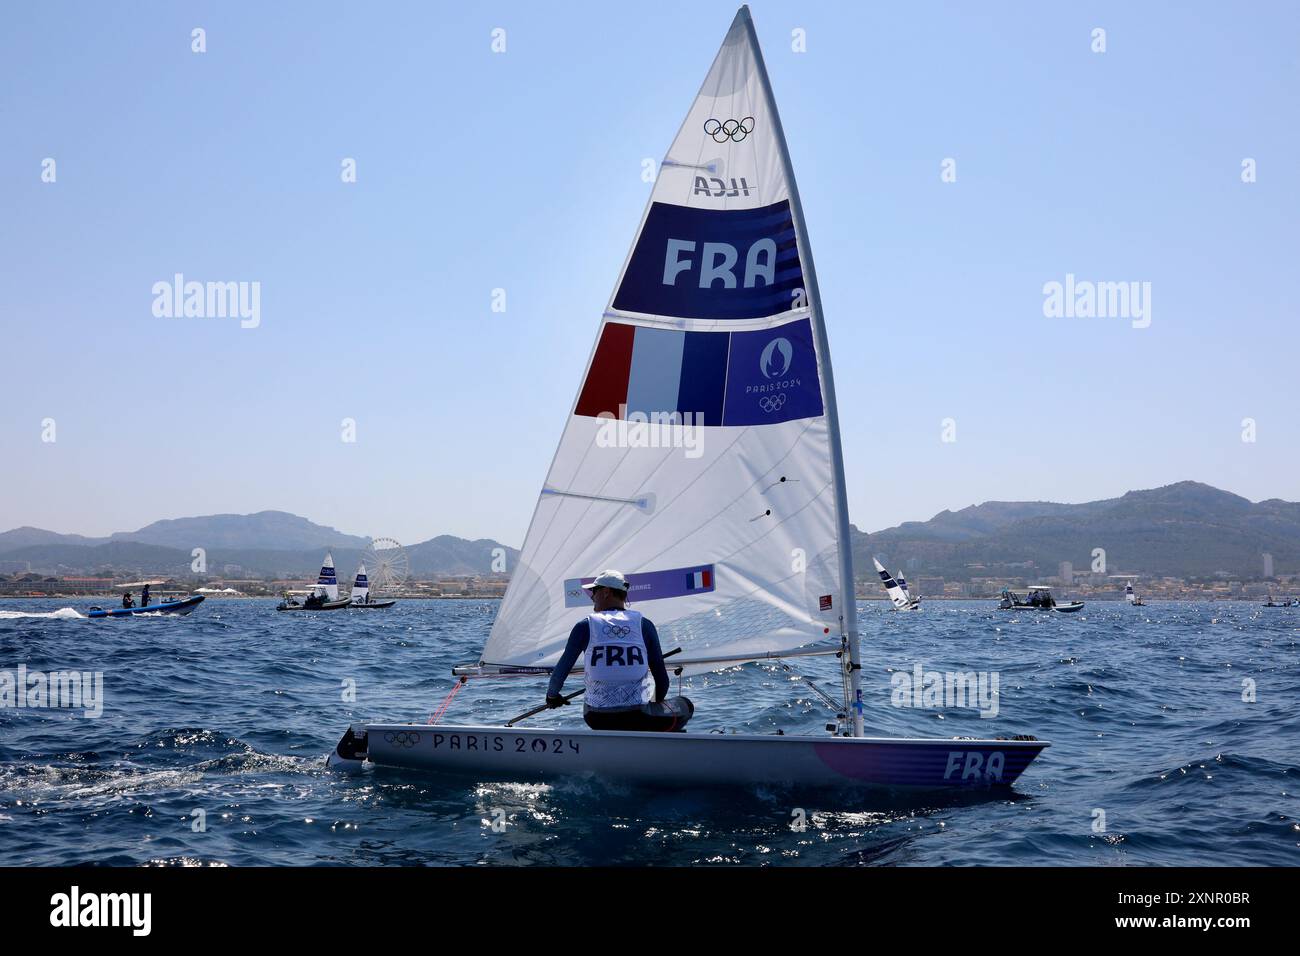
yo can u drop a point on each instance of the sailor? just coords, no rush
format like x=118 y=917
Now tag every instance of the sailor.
x=144 y=596
x=127 y=600
x=623 y=666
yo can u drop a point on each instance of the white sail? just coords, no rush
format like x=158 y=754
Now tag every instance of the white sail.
x=896 y=593
x=701 y=454
x=327 y=582
x=1129 y=594
x=360 y=586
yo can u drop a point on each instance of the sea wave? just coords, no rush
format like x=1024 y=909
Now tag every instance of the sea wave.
x=63 y=613
x=1172 y=737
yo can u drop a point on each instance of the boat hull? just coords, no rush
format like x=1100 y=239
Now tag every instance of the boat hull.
x=1062 y=608
x=685 y=759
x=372 y=606
x=166 y=607
x=329 y=606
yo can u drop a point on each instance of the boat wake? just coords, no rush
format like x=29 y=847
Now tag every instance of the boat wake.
x=193 y=761
x=63 y=613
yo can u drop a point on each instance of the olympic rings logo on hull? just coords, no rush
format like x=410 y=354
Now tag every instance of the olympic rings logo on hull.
x=616 y=630
x=402 y=738
x=734 y=130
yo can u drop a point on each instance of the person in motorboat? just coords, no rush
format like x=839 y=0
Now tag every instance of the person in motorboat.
x=313 y=600
x=623 y=665
x=127 y=600
x=144 y=596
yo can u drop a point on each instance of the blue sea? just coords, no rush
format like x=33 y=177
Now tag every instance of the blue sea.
x=211 y=745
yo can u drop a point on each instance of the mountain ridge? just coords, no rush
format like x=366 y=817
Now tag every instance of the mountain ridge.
x=276 y=530
x=1185 y=529
x=268 y=543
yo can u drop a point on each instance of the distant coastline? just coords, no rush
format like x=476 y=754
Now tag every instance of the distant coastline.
x=1184 y=541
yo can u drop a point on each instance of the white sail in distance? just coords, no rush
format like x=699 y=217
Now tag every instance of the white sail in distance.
x=896 y=592
x=360 y=586
x=700 y=455
x=327 y=582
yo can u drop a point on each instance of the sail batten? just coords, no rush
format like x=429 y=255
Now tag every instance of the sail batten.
x=700 y=455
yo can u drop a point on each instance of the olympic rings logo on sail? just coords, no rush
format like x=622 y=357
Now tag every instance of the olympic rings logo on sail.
x=734 y=130
x=771 y=403
x=616 y=630
x=403 y=738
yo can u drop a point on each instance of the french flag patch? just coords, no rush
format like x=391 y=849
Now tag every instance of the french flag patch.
x=700 y=580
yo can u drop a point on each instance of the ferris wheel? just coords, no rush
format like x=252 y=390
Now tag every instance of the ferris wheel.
x=387 y=565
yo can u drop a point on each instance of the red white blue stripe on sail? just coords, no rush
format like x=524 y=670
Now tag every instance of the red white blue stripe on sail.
x=649 y=585
x=758 y=377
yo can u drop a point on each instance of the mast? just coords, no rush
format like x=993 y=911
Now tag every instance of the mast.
x=848 y=600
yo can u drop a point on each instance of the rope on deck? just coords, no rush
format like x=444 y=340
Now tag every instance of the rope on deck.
x=446 y=702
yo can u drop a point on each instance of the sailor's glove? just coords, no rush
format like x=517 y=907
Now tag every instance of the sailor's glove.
x=555 y=700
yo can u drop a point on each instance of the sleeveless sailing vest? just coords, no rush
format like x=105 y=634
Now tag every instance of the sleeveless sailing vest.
x=615 y=668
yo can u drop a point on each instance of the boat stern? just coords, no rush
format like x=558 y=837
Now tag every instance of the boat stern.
x=349 y=754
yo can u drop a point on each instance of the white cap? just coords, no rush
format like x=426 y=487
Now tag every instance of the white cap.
x=608 y=578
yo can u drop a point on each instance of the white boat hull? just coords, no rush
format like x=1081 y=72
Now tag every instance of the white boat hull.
x=685 y=759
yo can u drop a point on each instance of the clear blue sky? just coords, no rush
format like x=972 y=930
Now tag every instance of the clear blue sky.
x=522 y=171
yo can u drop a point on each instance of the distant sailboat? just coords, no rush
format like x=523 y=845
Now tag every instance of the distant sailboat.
x=1131 y=596
x=327 y=582
x=323 y=597
x=914 y=601
x=715 y=326
x=896 y=588
x=360 y=596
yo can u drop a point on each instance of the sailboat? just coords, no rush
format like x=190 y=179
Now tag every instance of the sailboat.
x=360 y=596
x=912 y=600
x=1131 y=596
x=896 y=588
x=323 y=597
x=702 y=456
